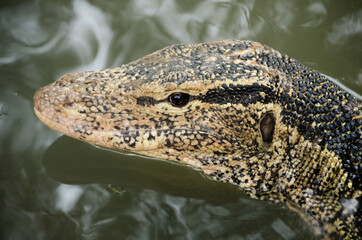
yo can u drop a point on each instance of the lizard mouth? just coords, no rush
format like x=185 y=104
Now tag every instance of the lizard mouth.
x=116 y=139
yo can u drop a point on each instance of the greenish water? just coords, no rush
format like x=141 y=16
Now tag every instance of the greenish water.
x=54 y=187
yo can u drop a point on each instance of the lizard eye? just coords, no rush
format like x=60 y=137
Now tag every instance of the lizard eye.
x=179 y=99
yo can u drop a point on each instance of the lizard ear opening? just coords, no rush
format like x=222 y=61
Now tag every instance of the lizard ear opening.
x=267 y=125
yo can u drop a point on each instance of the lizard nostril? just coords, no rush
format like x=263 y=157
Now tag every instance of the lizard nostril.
x=68 y=104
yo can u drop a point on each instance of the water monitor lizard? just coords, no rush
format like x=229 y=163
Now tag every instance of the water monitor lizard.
x=237 y=110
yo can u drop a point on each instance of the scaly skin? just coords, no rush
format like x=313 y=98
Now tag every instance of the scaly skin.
x=237 y=110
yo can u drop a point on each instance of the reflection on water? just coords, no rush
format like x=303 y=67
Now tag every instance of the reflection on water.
x=346 y=29
x=25 y=32
x=190 y=204
x=82 y=165
x=316 y=14
x=60 y=189
x=89 y=25
x=67 y=197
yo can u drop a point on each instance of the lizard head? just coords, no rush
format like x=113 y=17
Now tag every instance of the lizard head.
x=211 y=106
x=239 y=111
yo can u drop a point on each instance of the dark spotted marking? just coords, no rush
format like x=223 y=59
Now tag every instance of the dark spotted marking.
x=146 y=101
x=239 y=94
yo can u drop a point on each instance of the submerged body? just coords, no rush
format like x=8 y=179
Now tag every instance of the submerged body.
x=237 y=110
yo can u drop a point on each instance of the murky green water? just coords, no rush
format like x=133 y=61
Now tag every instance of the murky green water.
x=53 y=187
